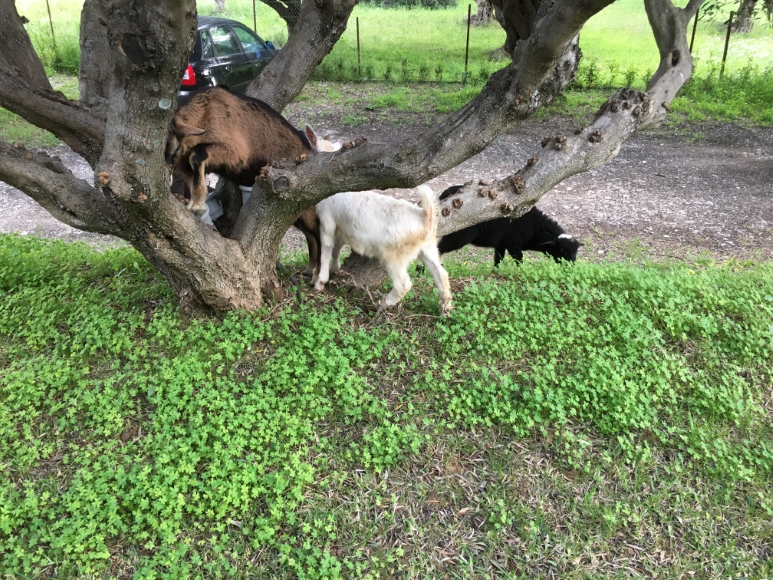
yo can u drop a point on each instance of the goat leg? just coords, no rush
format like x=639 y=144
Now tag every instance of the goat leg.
x=430 y=256
x=198 y=203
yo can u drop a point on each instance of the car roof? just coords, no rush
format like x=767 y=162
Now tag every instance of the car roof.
x=210 y=20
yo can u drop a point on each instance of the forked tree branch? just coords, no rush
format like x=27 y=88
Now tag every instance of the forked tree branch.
x=67 y=198
x=320 y=25
x=70 y=121
x=511 y=95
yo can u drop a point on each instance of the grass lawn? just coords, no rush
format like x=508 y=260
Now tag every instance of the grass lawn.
x=585 y=421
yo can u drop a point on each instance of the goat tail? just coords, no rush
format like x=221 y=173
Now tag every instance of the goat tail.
x=429 y=203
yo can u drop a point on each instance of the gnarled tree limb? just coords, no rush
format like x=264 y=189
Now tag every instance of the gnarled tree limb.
x=16 y=52
x=69 y=120
x=67 y=198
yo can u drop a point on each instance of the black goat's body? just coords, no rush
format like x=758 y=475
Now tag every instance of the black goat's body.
x=534 y=231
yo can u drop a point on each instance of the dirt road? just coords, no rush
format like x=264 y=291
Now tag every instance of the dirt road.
x=671 y=192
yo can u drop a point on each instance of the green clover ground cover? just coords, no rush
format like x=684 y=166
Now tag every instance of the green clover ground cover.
x=135 y=441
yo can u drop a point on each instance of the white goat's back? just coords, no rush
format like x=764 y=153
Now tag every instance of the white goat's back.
x=375 y=225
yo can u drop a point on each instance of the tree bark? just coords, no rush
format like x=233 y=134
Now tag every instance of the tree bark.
x=321 y=24
x=16 y=52
x=743 y=21
x=95 y=69
x=288 y=10
x=484 y=14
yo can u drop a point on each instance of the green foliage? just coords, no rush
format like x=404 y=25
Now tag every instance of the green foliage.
x=744 y=95
x=182 y=447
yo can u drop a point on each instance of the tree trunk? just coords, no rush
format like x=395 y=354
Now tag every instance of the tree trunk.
x=288 y=10
x=94 y=72
x=743 y=21
x=321 y=24
x=485 y=13
x=17 y=53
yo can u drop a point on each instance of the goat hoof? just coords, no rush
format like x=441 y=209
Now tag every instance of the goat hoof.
x=319 y=287
x=445 y=309
x=197 y=211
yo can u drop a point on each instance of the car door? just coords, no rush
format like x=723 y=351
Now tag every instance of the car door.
x=254 y=48
x=235 y=68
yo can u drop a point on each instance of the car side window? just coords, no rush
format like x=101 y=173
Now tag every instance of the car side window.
x=224 y=41
x=250 y=42
x=206 y=45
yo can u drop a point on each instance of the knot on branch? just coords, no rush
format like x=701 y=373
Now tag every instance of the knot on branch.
x=614 y=106
x=446 y=212
x=666 y=106
x=493 y=193
x=104 y=177
x=545 y=142
x=674 y=56
x=280 y=185
x=506 y=208
x=532 y=161
x=595 y=137
x=302 y=158
x=518 y=184
x=457 y=203
x=636 y=111
x=484 y=182
x=483 y=192
x=560 y=142
x=346 y=146
x=359 y=141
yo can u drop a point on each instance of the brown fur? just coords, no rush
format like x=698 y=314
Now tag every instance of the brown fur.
x=235 y=136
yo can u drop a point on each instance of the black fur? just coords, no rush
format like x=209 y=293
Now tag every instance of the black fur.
x=533 y=231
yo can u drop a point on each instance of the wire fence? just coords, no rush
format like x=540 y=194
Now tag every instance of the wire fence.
x=430 y=41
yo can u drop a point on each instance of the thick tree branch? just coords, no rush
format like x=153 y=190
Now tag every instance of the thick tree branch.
x=68 y=120
x=16 y=51
x=67 y=198
x=321 y=24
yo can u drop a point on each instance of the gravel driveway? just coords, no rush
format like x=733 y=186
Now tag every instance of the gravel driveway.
x=671 y=192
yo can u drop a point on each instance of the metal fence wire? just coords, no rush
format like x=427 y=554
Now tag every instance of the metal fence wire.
x=448 y=41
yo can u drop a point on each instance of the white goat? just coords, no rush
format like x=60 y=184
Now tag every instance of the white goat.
x=393 y=231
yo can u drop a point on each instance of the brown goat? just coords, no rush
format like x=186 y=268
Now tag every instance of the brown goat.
x=235 y=136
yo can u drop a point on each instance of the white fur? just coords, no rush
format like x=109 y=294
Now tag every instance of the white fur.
x=393 y=231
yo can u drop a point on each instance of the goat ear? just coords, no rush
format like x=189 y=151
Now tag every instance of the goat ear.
x=184 y=130
x=311 y=136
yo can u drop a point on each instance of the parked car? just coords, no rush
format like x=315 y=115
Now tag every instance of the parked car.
x=225 y=54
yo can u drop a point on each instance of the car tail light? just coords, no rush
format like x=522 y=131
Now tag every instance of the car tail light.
x=189 y=78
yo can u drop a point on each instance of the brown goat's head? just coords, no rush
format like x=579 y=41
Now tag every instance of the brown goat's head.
x=176 y=132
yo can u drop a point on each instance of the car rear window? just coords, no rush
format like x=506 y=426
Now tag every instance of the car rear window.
x=224 y=41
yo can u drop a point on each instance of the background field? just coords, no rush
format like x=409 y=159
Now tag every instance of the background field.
x=429 y=45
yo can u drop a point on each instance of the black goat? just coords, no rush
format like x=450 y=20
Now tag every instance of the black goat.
x=532 y=231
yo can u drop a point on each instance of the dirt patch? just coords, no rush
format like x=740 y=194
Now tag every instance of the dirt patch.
x=675 y=191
